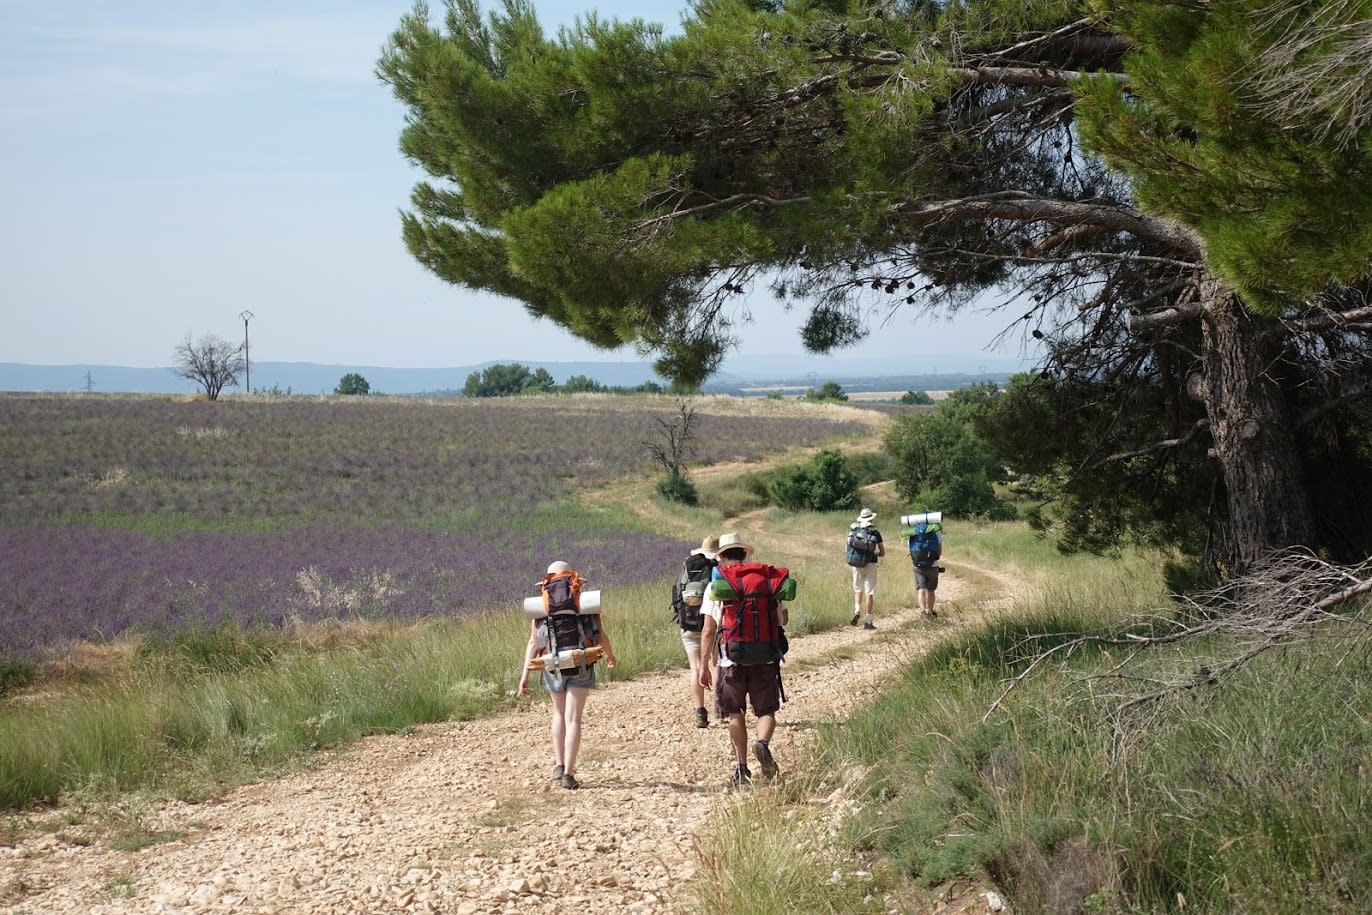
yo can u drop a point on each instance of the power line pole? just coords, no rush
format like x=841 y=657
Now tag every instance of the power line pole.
x=247 y=363
x=90 y=382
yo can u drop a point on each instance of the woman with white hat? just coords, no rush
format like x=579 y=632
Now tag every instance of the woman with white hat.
x=569 y=688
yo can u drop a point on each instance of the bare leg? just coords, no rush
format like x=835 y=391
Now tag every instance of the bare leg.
x=765 y=726
x=738 y=736
x=558 y=727
x=576 y=702
x=697 y=690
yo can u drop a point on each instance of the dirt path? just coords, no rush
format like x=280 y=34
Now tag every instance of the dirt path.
x=461 y=817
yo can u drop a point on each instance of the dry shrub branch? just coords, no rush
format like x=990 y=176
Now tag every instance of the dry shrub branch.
x=1283 y=600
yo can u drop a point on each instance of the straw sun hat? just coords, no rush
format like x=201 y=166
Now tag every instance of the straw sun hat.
x=732 y=541
x=708 y=547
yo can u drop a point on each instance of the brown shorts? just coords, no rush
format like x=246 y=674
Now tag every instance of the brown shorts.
x=759 y=684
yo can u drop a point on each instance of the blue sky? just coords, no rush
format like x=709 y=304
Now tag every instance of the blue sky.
x=168 y=165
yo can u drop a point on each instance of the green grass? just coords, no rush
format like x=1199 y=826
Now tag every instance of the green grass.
x=205 y=709
x=1251 y=795
x=771 y=853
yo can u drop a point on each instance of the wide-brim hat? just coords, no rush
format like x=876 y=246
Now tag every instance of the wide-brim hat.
x=732 y=541
x=866 y=517
x=708 y=547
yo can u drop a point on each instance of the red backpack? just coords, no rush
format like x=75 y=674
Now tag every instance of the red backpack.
x=750 y=624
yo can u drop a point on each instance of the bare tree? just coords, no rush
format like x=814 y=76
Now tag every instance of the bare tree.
x=212 y=363
x=675 y=442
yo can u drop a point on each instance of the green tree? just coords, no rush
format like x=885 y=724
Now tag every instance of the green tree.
x=582 y=384
x=942 y=461
x=862 y=158
x=352 y=383
x=829 y=392
x=1093 y=499
x=920 y=398
x=507 y=379
x=540 y=382
x=827 y=483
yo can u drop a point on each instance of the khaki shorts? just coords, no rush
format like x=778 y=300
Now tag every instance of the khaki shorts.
x=865 y=579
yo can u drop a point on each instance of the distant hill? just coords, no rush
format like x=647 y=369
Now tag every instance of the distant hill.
x=740 y=375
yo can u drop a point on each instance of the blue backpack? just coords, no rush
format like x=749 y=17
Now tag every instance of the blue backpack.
x=925 y=546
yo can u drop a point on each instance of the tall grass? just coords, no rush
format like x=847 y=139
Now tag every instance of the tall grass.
x=207 y=708
x=1249 y=795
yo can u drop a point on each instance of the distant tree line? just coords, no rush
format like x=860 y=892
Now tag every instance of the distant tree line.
x=511 y=379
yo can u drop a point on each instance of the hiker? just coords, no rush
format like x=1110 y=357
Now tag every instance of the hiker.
x=562 y=629
x=688 y=596
x=742 y=637
x=864 y=549
x=926 y=548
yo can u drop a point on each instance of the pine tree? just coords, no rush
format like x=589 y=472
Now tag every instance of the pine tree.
x=1110 y=167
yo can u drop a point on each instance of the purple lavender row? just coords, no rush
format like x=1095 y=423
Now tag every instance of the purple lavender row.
x=83 y=583
x=72 y=458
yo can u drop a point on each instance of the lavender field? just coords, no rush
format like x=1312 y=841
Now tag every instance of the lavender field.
x=153 y=514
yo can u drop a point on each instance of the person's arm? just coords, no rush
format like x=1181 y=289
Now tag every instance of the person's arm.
x=605 y=643
x=708 y=656
x=529 y=650
x=881 y=545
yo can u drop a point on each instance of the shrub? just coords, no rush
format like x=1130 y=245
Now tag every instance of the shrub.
x=15 y=674
x=825 y=484
x=676 y=488
x=871 y=467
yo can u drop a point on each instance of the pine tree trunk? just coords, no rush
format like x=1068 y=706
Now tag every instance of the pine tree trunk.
x=1251 y=424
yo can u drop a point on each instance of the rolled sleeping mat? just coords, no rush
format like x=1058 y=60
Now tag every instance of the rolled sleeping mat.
x=572 y=657
x=720 y=589
x=533 y=606
x=921 y=518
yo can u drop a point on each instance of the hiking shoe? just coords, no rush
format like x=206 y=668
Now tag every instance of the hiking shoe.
x=741 y=778
x=869 y=625
x=557 y=772
x=702 y=718
x=569 y=781
x=857 y=615
x=765 y=761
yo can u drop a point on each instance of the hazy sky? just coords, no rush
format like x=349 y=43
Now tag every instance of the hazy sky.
x=167 y=165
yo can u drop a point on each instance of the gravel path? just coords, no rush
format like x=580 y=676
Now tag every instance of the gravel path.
x=461 y=817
